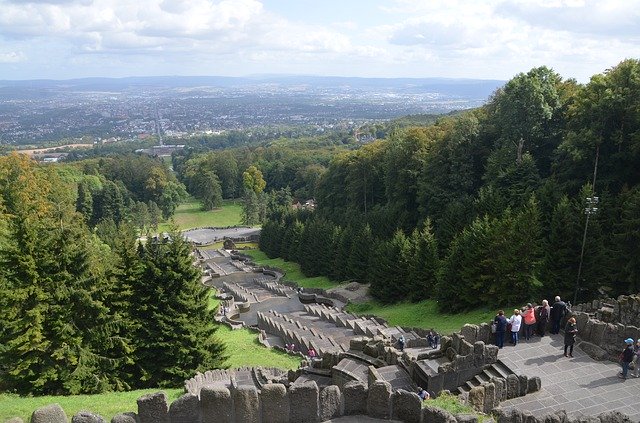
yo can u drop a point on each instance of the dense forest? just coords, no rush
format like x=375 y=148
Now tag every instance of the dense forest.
x=84 y=306
x=490 y=207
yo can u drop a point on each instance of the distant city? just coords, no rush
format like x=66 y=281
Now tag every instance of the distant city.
x=42 y=111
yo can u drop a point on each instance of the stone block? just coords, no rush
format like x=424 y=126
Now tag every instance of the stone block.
x=581 y=321
x=466 y=348
x=593 y=351
x=355 y=397
x=406 y=406
x=52 y=413
x=330 y=403
x=378 y=401
x=528 y=417
x=185 y=409
x=153 y=408
x=357 y=344
x=534 y=384
x=513 y=386
x=436 y=415
x=597 y=332
x=476 y=398
x=216 y=405
x=246 y=404
x=490 y=354
x=455 y=342
x=614 y=417
x=489 y=398
x=524 y=384
x=87 y=417
x=275 y=403
x=470 y=333
x=466 y=418
x=303 y=400
x=501 y=389
x=129 y=417
x=478 y=354
x=484 y=333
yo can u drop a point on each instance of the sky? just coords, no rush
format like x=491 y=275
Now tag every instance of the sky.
x=485 y=39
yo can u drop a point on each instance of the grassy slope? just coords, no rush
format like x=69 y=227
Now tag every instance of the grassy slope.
x=243 y=350
x=292 y=270
x=190 y=215
x=424 y=314
x=107 y=405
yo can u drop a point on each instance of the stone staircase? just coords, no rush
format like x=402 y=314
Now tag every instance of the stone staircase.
x=495 y=370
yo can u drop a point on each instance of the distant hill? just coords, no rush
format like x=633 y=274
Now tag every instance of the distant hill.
x=463 y=88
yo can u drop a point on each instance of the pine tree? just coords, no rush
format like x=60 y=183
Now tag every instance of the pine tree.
x=176 y=336
x=389 y=270
x=424 y=264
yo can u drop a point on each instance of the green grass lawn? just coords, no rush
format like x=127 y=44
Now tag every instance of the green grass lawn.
x=291 y=269
x=107 y=405
x=190 y=215
x=243 y=349
x=424 y=314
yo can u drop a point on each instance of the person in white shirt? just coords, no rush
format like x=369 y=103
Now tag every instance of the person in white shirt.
x=516 y=321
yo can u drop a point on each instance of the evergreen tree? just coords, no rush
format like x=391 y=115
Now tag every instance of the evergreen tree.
x=424 y=264
x=176 y=335
x=389 y=270
x=84 y=203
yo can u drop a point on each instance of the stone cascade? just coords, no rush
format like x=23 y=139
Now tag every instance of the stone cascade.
x=271 y=285
x=240 y=293
x=364 y=326
x=293 y=332
x=245 y=376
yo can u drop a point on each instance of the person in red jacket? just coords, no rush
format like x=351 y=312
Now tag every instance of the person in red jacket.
x=529 y=317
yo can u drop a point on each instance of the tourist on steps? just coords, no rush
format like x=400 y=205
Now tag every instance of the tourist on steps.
x=543 y=317
x=626 y=358
x=636 y=350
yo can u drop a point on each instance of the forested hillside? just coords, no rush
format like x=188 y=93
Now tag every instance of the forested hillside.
x=486 y=208
x=85 y=307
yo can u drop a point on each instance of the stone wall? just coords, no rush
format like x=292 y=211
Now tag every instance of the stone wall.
x=602 y=340
x=624 y=310
x=519 y=416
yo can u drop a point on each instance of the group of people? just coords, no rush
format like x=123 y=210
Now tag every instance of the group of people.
x=433 y=339
x=530 y=319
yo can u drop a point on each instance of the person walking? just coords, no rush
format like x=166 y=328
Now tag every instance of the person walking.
x=558 y=311
x=626 y=358
x=516 y=322
x=529 y=317
x=543 y=317
x=500 y=323
x=570 y=332
x=401 y=342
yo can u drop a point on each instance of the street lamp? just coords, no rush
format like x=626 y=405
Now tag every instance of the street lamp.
x=591 y=207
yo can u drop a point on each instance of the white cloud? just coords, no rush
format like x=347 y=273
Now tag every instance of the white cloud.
x=489 y=38
x=12 y=57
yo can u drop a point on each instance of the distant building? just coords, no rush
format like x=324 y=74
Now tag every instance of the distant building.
x=307 y=205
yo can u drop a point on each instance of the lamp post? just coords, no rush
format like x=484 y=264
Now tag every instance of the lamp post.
x=591 y=207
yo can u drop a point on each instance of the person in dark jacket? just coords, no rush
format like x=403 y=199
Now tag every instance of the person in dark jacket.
x=543 y=317
x=626 y=358
x=501 y=327
x=570 y=332
x=558 y=311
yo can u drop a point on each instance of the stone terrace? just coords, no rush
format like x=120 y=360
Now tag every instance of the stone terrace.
x=579 y=385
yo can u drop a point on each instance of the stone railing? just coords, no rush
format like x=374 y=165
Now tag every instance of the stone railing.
x=303 y=402
x=625 y=310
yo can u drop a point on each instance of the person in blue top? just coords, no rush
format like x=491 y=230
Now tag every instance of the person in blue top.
x=501 y=327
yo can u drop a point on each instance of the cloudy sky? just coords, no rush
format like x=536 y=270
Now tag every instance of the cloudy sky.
x=494 y=39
